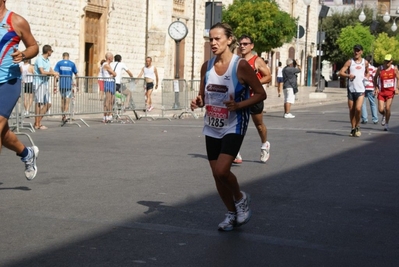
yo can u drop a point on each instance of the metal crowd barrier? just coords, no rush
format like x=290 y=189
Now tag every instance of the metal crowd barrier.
x=176 y=97
x=133 y=89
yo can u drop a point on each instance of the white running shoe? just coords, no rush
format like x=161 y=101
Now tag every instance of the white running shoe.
x=265 y=152
x=238 y=159
x=288 y=116
x=243 y=211
x=30 y=162
x=229 y=222
x=383 y=121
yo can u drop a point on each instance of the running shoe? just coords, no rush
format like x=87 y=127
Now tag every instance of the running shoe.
x=243 y=211
x=383 y=121
x=150 y=108
x=357 y=132
x=386 y=128
x=238 y=159
x=30 y=162
x=229 y=222
x=353 y=132
x=265 y=152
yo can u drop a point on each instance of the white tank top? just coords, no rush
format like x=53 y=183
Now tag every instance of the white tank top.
x=280 y=72
x=26 y=75
x=106 y=74
x=149 y=72
x=218 y=121
x=357 y=69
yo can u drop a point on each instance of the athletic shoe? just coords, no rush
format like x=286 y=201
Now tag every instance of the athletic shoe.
x=288 y=116
x=357 y=132
x=364 y=122
x=229 y=222
x=353 y=132
x=375 y=122
x=243 y=211
x=30 y=162
x=386 y=128
x=383 y=121
x=238 y=159
x=265 y=152
x=150 y=108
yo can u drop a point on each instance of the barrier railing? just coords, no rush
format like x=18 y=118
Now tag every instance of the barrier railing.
x=176 y=97
x=73 y=100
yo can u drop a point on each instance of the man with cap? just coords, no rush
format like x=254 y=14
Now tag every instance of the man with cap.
x=356 y=70
x=385 y=84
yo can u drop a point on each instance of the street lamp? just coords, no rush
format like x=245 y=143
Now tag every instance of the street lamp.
x=394 y=27
x=362 y=16
x=305 y=64
x=386 y=16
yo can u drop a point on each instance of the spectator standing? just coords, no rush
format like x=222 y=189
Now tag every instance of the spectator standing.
x=118 y=66
x=150 y=76
x=225 y=80
x=41 y=84
x=66 y=69
x=290 y=86
x=280 y=80
x=15 y=29
x=100 y=80
x=370 y=94
x=109 y=87
x=27 y=81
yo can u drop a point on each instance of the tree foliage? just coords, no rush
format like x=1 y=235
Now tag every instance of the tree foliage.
x=385 y=45
x=333 y=24
x=267 y=25
x=352 y=35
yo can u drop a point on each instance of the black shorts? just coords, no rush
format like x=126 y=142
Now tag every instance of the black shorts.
x=354 y=96
x=28 y=88
x=257 y=108
x=229 y=144
x=150 y=86
x=118 y=87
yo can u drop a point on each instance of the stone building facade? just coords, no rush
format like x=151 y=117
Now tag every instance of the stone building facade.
x=87 y=29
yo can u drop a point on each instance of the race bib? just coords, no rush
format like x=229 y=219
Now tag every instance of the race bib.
x=217 y=117
x=389 y=83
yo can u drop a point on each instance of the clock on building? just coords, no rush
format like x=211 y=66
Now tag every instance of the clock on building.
x=177 y=30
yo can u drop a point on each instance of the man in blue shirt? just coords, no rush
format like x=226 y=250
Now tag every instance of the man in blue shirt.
x=66 y=68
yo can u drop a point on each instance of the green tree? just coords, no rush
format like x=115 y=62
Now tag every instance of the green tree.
x=385 y=45
x=262 y=20
x=333 y=24
x=352 y=35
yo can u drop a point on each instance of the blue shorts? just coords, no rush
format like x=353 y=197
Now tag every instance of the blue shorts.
x=354 y=96
x=9 y=95
x=66 y=93
x=109 y=87
x=280 y=79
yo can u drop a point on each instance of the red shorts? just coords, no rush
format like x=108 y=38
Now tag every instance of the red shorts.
x=385 y=95
x=101 y=85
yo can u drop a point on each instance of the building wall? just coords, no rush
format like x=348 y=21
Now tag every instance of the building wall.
x=62 y=23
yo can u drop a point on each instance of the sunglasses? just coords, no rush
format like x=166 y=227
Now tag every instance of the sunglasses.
x=244 y=44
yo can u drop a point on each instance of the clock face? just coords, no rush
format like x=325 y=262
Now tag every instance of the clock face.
x=177 y=30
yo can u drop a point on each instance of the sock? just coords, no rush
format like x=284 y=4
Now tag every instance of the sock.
x=264 y=145
x=24 y=153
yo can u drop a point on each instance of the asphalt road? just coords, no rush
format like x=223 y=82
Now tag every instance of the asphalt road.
x=142 y=195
